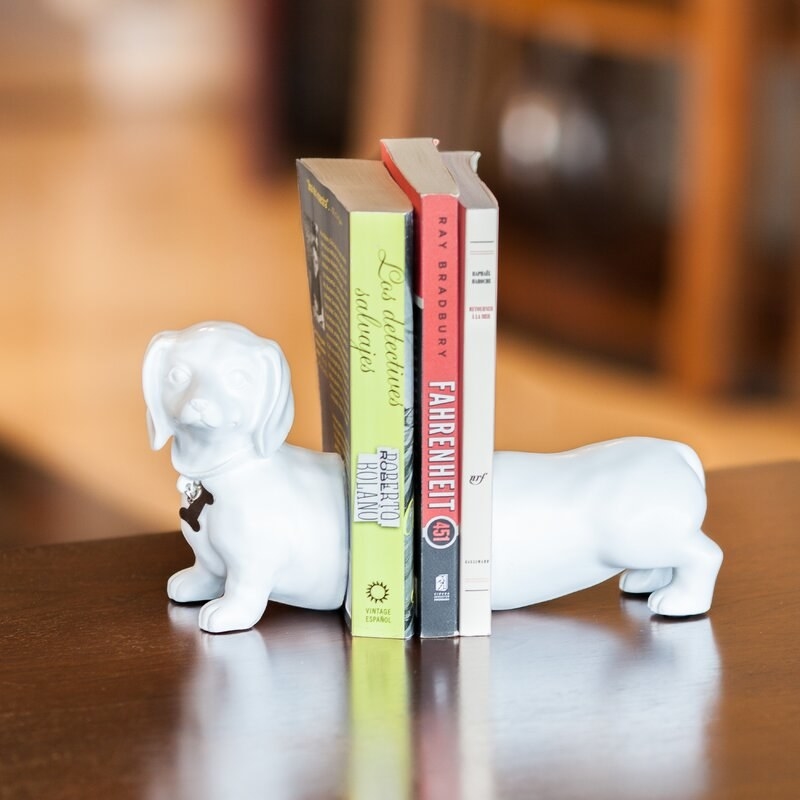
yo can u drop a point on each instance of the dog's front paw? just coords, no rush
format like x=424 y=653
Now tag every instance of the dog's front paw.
x=193 y=585
x=228 y=614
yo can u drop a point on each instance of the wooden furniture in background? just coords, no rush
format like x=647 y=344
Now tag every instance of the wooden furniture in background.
x=698 y=325
x=704 y=312
x=113 y=692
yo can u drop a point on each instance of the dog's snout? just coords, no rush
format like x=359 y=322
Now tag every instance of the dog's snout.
x=200 y=410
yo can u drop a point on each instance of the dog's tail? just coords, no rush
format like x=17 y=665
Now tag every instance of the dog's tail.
x=693 y=460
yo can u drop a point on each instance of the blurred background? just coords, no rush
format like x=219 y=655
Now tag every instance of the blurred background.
x=644 y=153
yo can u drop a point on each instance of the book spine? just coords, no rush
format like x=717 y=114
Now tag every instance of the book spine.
x=438 y=396
x=478 y=233
x=381 y=401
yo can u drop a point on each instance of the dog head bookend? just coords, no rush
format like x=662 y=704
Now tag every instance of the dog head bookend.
x=217 y=388
x=264 y=519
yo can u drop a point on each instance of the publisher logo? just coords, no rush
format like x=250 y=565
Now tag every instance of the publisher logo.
x=441 y=588
x=440 y=532
x=377 y=592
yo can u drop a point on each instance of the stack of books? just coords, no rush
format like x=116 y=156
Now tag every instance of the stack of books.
x=402 y=267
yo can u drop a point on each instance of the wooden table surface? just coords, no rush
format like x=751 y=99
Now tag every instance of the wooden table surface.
x=110 y=691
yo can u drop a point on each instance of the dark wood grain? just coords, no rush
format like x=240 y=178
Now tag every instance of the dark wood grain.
x=108 y=690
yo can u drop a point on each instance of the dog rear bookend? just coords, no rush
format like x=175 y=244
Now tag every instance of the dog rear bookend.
x=567 y=521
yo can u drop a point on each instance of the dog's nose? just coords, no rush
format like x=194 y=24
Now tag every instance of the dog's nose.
x=198 y=404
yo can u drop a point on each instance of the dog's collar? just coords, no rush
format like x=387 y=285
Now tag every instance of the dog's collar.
x=234 y=461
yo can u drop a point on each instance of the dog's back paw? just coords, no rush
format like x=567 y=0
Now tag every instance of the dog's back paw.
x=692 y=586
x=676 y=601
x=644 y=581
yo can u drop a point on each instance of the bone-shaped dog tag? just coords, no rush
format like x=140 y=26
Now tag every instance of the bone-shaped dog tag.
x=191 y=514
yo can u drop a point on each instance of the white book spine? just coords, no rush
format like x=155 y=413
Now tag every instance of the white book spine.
x=479 y=242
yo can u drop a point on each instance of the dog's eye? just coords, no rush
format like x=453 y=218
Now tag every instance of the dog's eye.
x=238 y=379
x=178 y=376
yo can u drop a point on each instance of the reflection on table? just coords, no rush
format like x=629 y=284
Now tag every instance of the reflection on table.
x=546 y=705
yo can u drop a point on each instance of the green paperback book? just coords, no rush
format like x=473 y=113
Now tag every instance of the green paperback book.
x=357 y=226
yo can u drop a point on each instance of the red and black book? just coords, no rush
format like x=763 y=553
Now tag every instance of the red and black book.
x=418 y=168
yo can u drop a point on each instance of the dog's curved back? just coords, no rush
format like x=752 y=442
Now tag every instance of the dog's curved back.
x=277 y=413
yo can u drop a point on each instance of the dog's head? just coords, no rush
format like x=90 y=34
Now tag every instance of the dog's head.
x=218 y=389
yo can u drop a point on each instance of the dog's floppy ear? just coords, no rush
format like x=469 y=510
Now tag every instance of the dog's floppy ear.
x=158 y=426
x=276 y=420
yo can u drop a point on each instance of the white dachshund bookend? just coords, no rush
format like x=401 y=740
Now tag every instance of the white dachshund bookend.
x=265 y=520
x=566 y=521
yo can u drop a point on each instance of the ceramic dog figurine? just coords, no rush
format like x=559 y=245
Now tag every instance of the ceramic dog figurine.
x=566 y=521
x=264 y=519
x=268 y=520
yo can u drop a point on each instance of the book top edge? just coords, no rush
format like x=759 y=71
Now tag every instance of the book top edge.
x=421 y=164
x=360 y=185
x=472 y=191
